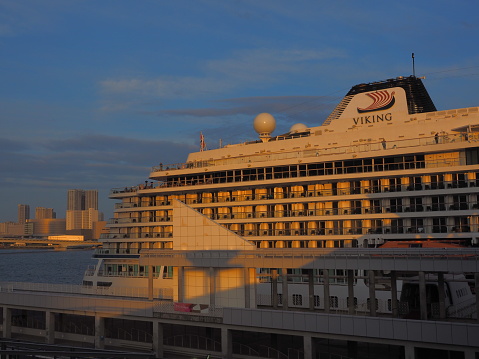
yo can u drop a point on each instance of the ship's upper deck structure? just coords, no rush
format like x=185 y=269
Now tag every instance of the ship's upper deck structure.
x=382 y=167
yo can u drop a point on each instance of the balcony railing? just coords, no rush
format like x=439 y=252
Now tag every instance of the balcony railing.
x=168 y=234
x=138 y=220
x=424 y=230
x=380 y=188
x=117 y=251
x=287 y=213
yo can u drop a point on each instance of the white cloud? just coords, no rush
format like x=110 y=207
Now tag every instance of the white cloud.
x=246 y=68
x=266 y=64
x=163 y=87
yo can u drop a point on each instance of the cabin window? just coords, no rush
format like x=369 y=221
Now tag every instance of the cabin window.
x=438 y=203
x=396 y=205
x=297 y=299
x=104 y=284
x=461 y=224
x=280 y=298
x=472 y=156
x=439 y=225
x=368 y=165
x=459 y=202
x=333 y=302
x=168 y=272
x=379 y=164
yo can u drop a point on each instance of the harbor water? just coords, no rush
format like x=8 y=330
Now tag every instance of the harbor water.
x=44 y=266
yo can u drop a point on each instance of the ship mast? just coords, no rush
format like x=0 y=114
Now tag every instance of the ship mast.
x=413 y=67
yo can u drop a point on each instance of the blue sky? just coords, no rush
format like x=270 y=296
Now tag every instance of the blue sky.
x=95 y=92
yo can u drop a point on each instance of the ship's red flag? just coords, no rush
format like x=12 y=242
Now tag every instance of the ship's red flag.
x=202 y=142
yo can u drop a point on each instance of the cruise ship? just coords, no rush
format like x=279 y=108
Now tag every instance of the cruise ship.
x=384 y=167
x=351 y=239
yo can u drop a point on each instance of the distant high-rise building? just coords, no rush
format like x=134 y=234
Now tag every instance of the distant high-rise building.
x=75 y=200
x=91 y=199
x=44 y=213
x=79 y=199
x=74 y=219
x=12 y=229
x=23 y=213
x=82 y=209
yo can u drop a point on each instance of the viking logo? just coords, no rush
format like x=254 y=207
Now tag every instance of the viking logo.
x=382 y=100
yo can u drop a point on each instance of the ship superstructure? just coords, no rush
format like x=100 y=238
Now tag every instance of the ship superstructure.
x=384 y=166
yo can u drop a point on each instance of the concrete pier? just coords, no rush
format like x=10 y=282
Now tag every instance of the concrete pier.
x=150 y=325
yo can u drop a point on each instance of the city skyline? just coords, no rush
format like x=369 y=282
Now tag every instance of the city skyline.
x=82 y=218
x=94 y=94
x=76 y=199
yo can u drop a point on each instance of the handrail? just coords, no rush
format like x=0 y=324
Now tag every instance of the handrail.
x=362 y=147
x=165 y=293
x=464 y=253
x=301 y=154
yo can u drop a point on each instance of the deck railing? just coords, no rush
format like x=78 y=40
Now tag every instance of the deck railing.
x=271 y=157
x=367 y=146
x=309 y=254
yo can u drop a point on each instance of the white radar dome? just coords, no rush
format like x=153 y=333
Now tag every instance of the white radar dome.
x=264 y=124
x=298 y=127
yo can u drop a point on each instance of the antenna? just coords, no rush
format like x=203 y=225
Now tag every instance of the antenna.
x=413 y=68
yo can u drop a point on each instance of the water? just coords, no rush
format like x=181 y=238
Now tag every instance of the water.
x=44 y=266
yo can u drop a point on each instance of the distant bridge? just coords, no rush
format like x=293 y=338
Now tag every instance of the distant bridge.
x=12 y=242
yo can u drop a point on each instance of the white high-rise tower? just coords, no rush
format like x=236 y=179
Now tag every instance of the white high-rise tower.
x=82 y=209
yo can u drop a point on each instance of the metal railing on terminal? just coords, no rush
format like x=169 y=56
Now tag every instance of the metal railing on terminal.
x=462 y=311
x=130 y=292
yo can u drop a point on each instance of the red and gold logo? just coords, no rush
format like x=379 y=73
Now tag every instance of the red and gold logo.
x=382 y=100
